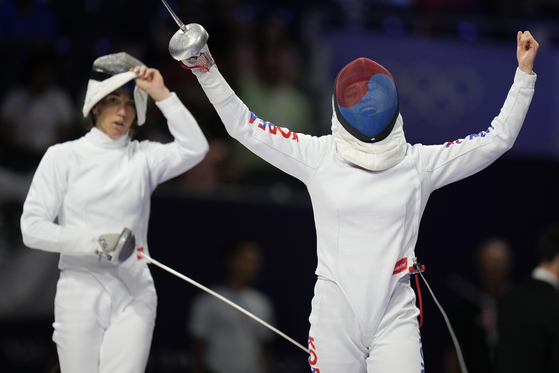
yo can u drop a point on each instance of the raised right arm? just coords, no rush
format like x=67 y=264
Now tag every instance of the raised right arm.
x=296 y=154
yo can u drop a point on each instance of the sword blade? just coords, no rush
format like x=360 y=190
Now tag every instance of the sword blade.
x=220 y=297
x=181 y=25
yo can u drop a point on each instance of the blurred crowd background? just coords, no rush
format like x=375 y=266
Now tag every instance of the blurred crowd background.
x=453 y=61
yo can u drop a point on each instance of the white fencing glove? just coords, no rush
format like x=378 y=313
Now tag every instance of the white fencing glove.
x=117 y=247
x=201 y=61
x=214 y=85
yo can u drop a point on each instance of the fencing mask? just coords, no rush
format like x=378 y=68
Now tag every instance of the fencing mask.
x=110 y=73
x=366 y=100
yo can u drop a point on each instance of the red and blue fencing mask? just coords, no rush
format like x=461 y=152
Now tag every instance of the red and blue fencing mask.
x=366 y=100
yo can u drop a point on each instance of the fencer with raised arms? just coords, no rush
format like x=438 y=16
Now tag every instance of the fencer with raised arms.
x=369 y=189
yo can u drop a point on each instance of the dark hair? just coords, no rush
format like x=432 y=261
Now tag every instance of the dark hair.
x=490 y=240
x=548 y=244
x=233 y=247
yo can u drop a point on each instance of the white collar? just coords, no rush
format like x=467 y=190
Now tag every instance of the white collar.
x=544 y=275
x=376 y=156
x=100 y=138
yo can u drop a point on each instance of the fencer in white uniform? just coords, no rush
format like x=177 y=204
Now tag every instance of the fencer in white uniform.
x=93 y=188
x=369 y=189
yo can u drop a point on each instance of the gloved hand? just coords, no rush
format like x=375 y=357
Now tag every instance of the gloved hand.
x=117 y=247
x=212 y=82
x=201 y=62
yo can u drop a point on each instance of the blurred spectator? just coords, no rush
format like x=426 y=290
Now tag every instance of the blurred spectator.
x=475 y=321
x=224 y=339
x=35 y=114
x=270 y=79
x=13 y=186
x=27 y=277
x=216 y=170
x=272 y=89
x=27 y=287
x=529 y=315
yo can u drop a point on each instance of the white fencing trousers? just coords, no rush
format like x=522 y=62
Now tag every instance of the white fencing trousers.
x=96 y=334
x=338 y=344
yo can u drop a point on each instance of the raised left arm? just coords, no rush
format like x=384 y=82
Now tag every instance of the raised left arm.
x=526 y=50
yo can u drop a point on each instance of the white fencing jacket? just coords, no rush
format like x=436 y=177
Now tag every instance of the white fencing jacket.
x=96 y=185
x=367 y=221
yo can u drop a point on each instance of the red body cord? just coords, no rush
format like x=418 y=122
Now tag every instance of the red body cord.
x=420 y=301
x=194 y=67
